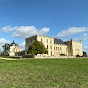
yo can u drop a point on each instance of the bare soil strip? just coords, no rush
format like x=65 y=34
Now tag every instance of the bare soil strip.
x=7 y=58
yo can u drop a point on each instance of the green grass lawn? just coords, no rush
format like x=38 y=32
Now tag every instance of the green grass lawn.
x=44 y=73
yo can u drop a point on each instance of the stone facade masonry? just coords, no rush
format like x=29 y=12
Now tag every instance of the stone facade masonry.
x=13 y=50
x=69 y=48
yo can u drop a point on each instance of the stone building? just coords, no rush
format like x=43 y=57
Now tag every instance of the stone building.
x=74 y=48
x=14 y=47
x=56 y=47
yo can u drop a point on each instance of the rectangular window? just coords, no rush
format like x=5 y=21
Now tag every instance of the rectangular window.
x=47 y=40
x=51 y=47
x=51 y=53
x=41 y=39
x=50 y=41
x=54 y=48
x=47 y=46
x=60 y=48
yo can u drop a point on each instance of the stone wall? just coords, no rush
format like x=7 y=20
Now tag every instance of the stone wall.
x=70 y=48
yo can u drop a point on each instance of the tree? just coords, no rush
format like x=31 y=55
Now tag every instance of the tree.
x=6 y=48
x=84 y=54
x=37 y=48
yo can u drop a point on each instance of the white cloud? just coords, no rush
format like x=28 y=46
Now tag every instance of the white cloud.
x=86 y=47
x=85 y=34
x=7 y=29
x=4 y=41
x=83 y=37
x=27 y=31
x=43 y=31
x=71 y=31
x=22 y=46
x=24 y=31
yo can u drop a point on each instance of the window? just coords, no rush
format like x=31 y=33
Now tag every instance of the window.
x=50 y=41
x=51 y=47
x=51 y=53
x=47 y=46
x=54 y=48
x=58 y=48
x=41 y=39
x=47 y=40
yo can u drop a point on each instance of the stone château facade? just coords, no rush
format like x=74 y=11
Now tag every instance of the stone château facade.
x=56 y=47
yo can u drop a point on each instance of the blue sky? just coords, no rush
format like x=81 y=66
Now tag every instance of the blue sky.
x=63 y=19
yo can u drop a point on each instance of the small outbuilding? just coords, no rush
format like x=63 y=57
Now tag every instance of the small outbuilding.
x=14 y=47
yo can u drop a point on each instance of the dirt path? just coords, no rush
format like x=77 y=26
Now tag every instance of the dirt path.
x=7 y=58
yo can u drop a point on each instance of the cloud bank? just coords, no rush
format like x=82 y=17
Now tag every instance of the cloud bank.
x=71 y=31
x=24 y=31
x=83 y=37
x=7 y=29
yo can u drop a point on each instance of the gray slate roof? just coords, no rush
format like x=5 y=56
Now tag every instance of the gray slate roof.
x=58 y=41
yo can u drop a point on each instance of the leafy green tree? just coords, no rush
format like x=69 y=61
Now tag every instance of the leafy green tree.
x=84 y=54
x=37 y=48
x=6 y=48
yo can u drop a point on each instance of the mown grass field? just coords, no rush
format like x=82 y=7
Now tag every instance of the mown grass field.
x=44 y=73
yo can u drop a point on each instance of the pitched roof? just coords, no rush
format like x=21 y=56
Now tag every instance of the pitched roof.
x=58 y=41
